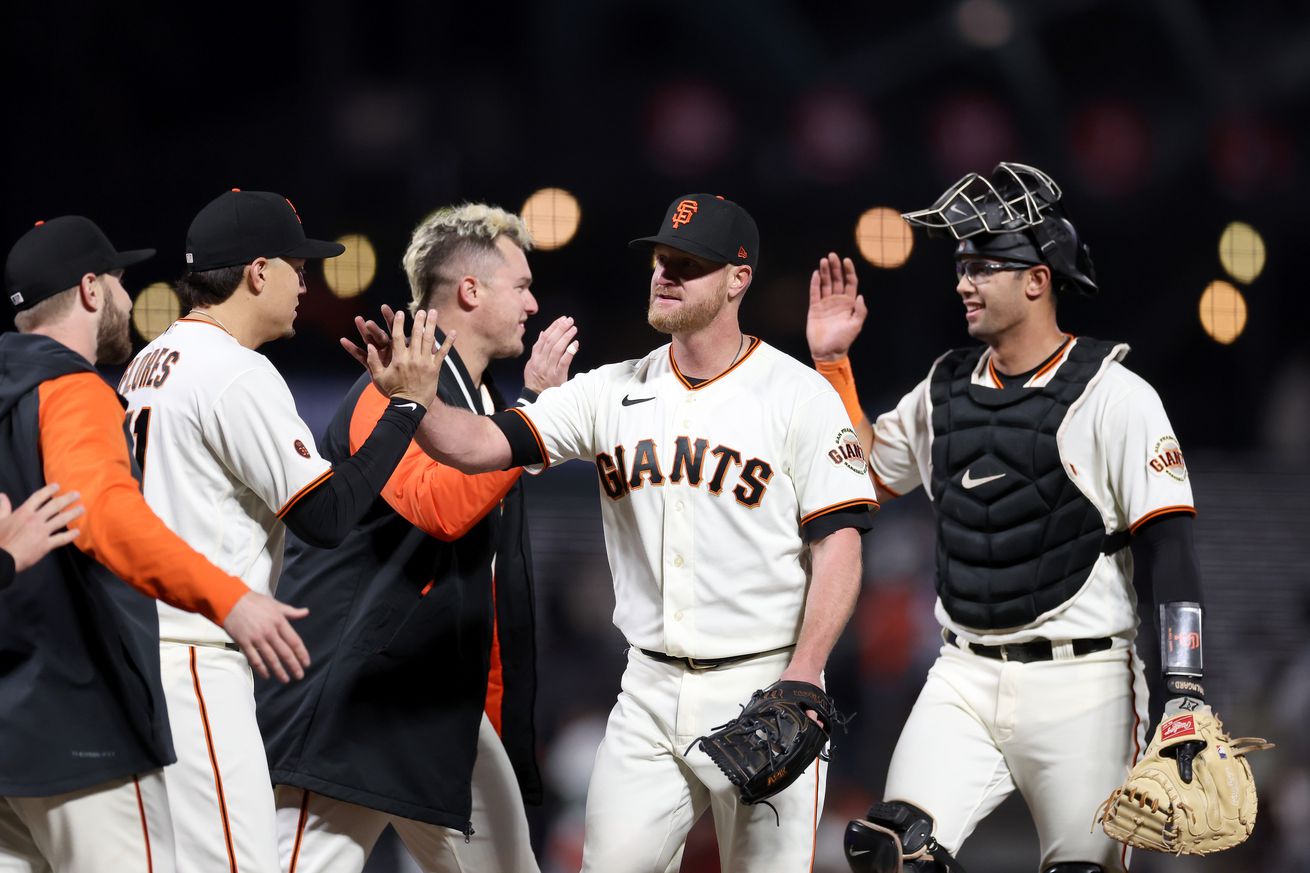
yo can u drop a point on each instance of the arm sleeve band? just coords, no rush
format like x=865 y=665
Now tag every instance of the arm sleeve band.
x=324 y=516
x=524 y=449
x=859 y=517
x=1164 y=560
x=841 y=377
x=1165 y=572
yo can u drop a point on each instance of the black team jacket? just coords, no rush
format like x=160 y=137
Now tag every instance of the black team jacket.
x=405 y=627
x=80 y=695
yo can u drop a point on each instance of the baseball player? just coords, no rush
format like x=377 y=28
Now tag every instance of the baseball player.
x=83 y=724
x=431 y=589
x=1045 y=459
x=733 y=493
x=228 y=464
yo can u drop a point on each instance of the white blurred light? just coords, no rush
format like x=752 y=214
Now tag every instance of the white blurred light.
x=984 y=23
x=884 y=238
x=1223 y=312
x=1242 y=251
x=552 y=216
x=155 y=308
x=350 y=274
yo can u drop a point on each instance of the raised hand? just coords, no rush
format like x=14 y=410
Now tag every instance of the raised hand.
x=414 y=366
x=262 y=628
x=29 y=532
x=372 y=335
x=837 y=311
x=552 y=355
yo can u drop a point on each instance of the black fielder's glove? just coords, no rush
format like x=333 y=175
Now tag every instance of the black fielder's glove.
x=770 y=744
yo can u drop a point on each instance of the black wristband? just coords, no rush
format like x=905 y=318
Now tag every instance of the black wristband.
x=526 y=396
x=1184 y=686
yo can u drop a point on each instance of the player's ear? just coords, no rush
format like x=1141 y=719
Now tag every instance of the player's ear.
x=468 y=293
x=89 y=292
x=739 y=280
x=257 y=274
x=1038 y=283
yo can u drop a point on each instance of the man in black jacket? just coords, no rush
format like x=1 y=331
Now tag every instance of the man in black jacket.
x=417 y=710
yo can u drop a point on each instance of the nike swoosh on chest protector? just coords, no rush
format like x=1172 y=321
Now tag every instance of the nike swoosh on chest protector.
x=970 y=483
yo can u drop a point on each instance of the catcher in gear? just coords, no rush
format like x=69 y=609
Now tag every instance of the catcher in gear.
x=776 y=737
x=1061 y=496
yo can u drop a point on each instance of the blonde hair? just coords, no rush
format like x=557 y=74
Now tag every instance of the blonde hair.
x=450 y=240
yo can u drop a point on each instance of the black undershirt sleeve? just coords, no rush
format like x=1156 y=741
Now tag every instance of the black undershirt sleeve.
x=524 y=450
x=324 y=516
x=1164 y=560
x=7 y=569
x=858 y=517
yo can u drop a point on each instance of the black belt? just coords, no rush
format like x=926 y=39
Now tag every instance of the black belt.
x=1037 y=650
x=708 y=663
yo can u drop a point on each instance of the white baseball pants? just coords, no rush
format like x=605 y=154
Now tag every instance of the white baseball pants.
x=1063 y=732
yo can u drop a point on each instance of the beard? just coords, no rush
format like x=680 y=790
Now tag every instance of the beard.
x=688 y=317
x=113 y=340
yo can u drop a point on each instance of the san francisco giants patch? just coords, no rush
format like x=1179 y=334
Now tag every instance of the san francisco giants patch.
x=301 y=450
x=1167 y=459
x=847 y=452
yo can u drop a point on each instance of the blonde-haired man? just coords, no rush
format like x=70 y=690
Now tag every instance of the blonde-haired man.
x=417 y=709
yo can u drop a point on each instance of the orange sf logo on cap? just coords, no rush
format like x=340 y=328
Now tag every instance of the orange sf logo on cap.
x=686 y=209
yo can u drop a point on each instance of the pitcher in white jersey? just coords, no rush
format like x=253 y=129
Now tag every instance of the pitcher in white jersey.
x=1045 y=459
x=733 y=533
x=228 y=464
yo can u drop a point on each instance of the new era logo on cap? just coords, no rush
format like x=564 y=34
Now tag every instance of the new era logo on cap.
x=708 y=226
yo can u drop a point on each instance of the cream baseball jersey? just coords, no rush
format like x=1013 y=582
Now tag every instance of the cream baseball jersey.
x=710 y=491
x=1117 y=446
x=223 y=455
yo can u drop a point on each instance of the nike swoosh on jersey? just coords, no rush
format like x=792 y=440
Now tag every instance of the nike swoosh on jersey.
x=413 y=406
x=970 y=483
x=632 y=401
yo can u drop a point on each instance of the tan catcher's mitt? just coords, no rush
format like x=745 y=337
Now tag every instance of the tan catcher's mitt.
x=1157 y=809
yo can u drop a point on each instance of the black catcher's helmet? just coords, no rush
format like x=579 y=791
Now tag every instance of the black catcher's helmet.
x=1016 y=215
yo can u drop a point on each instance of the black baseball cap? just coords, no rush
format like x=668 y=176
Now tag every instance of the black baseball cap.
x=54 y=255
x=710 y=227
x=238 y=226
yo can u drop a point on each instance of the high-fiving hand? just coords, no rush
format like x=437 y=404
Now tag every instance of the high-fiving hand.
x=405 y=368
x=837 y=309
x=552 y=355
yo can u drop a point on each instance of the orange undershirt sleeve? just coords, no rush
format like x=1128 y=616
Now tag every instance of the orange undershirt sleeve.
x=437 y=499
x=84 y=449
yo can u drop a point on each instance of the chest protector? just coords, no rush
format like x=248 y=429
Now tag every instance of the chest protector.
x=1015 y=536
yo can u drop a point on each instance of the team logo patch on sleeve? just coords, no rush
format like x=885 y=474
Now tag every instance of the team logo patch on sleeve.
x=301 y=450
x=1167 y=459
x=847 y=452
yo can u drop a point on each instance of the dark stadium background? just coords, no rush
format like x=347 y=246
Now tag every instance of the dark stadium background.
x=1164 y=121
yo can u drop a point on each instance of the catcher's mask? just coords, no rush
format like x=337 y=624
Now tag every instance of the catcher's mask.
x=1016 y=215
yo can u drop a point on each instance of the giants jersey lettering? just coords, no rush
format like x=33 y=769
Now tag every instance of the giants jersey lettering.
x=223 y=455
x=705 y=491
x=1116 y=444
